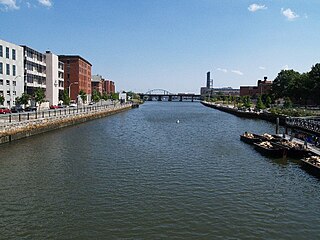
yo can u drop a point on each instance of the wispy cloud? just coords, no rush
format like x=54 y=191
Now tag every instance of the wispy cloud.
x=8 y=5
x=262 y=68
x=46 y=3
x=222 y=70
x=255 y=7
x=289 y=14
x=237 y=72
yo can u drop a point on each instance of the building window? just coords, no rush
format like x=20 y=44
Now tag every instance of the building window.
x=1 y=81
x=13 y=70
x=14 y=83
x=8 y=82
x=7 y=52
x=1 y=51
x=14 y=93
x=8 y=69
x=1 y=68
x=1 y=93
x=13 y=54
x=8 y=103
x=8 y=92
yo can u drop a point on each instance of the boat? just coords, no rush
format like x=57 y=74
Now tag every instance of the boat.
x=295 y=150
x=252 y=138
x=271 y=149
x=312 y=163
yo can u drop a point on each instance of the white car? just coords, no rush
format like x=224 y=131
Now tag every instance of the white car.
x=73 y=105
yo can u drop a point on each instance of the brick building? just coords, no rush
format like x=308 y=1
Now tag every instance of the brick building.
x=263 y=87
x=77 y=75
x=109 y=87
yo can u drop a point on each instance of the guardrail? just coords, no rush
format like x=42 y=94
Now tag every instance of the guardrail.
x=307 y=123
x=25 y=117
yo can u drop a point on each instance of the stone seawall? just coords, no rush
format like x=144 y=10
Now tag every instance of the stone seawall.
x=25 y=129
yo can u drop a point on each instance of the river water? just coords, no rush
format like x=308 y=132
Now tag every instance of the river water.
x=141 y=175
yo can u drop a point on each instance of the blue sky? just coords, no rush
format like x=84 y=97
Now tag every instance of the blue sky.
x=171 y=44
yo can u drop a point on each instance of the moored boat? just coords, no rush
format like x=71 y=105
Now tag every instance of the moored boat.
x=252 y=138
x=295 y=150
x=271 y=149
x=312 y=163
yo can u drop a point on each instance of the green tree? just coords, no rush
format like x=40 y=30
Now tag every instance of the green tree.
x=260 y=104
x=246 y=101
x=83 y=95
x=115 y=96
x=65 y=97
x=24 y=99
x=314 y=83
x=39 y=96
x=1 y=100
x=284 y=84
x=287 y=102
x=95 y=95
x=268 y=102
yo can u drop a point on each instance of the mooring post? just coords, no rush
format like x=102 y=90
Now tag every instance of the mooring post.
x=277 y=126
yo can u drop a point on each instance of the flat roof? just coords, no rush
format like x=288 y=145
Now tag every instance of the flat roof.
x=74 y=57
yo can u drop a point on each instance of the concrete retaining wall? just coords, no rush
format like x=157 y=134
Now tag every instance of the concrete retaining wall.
x=33 y=127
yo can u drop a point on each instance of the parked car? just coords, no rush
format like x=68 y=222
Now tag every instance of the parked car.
x=73 y=105
x=61 y=105
x=4 y=110
x=54 y=107
x=17 y=109
x=30 y=109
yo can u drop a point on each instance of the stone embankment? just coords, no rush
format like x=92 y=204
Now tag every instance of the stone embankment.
x=14 y=130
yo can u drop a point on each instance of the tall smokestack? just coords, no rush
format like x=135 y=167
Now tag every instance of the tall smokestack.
x=208 y=80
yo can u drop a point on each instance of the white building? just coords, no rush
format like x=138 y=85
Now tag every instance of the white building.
x=35 y=70
x=54 y=78
x=11 y=72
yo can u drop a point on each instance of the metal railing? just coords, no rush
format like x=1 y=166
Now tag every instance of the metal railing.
x=25 y=117
x=308 y=123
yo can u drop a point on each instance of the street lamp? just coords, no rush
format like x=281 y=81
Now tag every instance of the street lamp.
x=69 y=88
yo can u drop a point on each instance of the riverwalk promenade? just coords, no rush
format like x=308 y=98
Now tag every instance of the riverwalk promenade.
x=21 y=125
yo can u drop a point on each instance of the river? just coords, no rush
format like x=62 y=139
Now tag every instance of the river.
x=141 y=175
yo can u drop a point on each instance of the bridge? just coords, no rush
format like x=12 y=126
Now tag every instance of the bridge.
x=162 y=94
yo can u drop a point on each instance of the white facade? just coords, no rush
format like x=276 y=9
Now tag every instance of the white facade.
x=54 y=78
x=11 y=72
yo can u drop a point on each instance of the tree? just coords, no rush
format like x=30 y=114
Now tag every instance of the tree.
x=246 y=101
x=24 y=99
x=314 y=82
x=105 y=96
x=287 y=102
x=1 y=100
x=268 y=102
x=95 y=95
x=115 y=96
x=83 y=95
x=65 y=97
x=260 y=104
x=39 y=96
x=284 y=84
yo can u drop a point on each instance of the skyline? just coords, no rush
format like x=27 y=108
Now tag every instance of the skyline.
x=144 y=45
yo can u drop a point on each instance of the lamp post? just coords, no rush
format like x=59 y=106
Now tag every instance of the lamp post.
x=69 y=88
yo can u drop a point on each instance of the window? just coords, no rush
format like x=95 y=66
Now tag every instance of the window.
x=1 y=68
x=1 y=81
x=13 y=54
x=13 y=70
x=8 y=92
x=7 y=52
x=8 y=82
x=8 y=69
x=1 y=51
x=14 y=83
x=14 y=93
x=1 y=93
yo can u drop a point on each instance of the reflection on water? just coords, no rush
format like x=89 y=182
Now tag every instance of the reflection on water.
x=139 y=174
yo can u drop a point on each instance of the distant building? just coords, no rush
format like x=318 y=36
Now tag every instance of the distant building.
x=35 y=70
x=263 y=87
x=77 y=75
x=123 y=97
x=11 y=72
x=54 y=78
x=109 y=87
x=97 y=83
